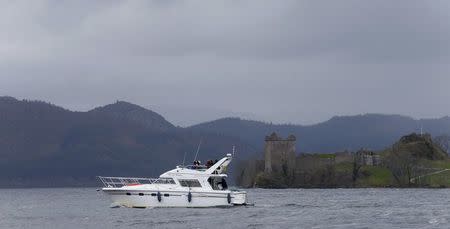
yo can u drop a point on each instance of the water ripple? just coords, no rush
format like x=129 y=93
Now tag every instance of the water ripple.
x=291 y=208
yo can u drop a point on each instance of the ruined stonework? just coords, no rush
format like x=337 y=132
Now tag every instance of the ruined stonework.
x=279 y=154
x=365 y=157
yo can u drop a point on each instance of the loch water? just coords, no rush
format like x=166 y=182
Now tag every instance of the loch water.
x=69 y=208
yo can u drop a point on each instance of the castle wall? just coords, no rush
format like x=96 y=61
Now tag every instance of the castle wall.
x=279 y=154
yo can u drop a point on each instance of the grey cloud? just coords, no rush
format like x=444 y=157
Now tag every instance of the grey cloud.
x=283 y=61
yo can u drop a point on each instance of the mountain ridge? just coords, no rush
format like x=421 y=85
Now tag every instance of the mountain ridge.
x=135 y=113
x=45 y=145
x=42 y=144
x=373 y=131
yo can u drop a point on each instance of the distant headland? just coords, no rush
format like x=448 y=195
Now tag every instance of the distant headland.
x=416 y=160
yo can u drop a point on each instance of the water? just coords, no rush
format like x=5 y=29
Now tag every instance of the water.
x=293 y=208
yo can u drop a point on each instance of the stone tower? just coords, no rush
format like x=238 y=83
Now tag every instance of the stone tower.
x=279 y=154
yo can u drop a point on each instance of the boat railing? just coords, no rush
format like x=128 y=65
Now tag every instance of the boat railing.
x=117 y=182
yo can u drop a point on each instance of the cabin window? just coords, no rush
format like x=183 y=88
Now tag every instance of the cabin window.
x=164 y=181
x=166 y=194
x=190 y=183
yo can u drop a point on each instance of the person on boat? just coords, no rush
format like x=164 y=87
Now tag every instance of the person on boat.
x=209 y=163
x=222 y=185
x=196 y=164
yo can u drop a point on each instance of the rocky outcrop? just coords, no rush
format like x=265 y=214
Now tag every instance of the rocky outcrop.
x=420 y=146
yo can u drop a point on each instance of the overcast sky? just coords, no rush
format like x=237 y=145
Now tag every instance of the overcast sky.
x=281 y=61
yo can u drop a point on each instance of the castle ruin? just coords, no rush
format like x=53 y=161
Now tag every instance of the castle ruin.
x=283 y=168
x=279 y=154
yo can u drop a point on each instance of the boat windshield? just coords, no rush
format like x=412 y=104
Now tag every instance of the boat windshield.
x=197 y=167
x=218 y=183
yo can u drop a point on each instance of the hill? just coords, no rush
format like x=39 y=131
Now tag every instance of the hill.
x=122 y=110
x=45 y=145
x=419 y=146
x=373 y=131
x=42 y=144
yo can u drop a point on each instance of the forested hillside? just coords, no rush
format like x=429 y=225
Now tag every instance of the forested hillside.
x=42 y=144
x=45 y=145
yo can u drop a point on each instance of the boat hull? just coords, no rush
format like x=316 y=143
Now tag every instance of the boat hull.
x=148 y=198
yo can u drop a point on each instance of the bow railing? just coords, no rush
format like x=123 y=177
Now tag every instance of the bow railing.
x=117 y=182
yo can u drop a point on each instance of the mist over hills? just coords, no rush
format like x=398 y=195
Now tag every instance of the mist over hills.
x=42 y=144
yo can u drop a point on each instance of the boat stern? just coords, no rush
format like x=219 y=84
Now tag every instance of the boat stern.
x=239 y=197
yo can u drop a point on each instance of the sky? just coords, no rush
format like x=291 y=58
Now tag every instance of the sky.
x=277 y=61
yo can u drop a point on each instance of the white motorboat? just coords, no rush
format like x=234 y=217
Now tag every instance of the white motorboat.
x=185 y=186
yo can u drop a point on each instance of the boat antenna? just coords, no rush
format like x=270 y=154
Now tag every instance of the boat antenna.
x=198 y=149
x=234 y=150
x=184 y=158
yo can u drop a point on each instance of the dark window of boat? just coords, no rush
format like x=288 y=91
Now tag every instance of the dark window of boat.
x=153 y=194
x=190 y=183
x=218 y=183
x=128 y=194
x=164 y=181
x=141 y=194
x=166 y=194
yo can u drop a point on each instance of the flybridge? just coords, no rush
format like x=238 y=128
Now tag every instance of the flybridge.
x=217 y=168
